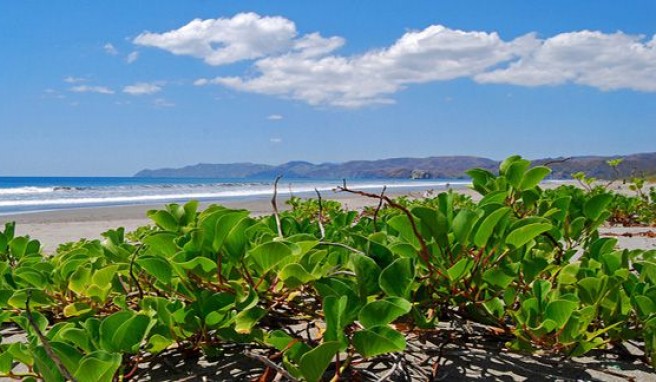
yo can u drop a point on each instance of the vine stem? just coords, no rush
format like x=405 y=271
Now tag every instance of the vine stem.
x=424 y=253
x=46 y=344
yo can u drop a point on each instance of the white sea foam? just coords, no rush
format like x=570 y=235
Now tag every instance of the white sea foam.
x=26 y=190
x=140 y=194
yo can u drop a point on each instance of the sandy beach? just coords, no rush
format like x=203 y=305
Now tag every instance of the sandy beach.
x=52 y=228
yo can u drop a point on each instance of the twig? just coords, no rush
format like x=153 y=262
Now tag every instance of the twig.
x=46 y=345
x=320 y=213
x=342 y=246
x=271 y=364
x=424 y=253
x=380 y=204
x=275 y=205
x=555 y=161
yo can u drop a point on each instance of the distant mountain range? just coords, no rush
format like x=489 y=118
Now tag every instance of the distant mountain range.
x=450 y=167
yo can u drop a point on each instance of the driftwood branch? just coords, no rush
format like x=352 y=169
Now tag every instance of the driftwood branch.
x=46 y=344
x=274 y=204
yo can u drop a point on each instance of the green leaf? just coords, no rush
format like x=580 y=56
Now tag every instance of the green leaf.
x=247 y=319
x=378 y=340
x=18 y=246
x=590 y=289
x=526 y=233
x=314 y=363
x=98 y=366
x=383 y=312
x=124 y=331
x=77 y=309
x=158 y=343
x=460 y=269
x=486 y=228
x=162 y=243
x=560 y=311
x=596 y=205
x=533 y=177
x=645 y=305
x=367 y=273
x=515 y=172
x=397 y=278
x=463 y=224
x=266 y=256
x=163 y=219
x=294 y=275
x=156 y=266
x=335 y=315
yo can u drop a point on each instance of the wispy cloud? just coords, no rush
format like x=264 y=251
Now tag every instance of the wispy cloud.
x=275 y=117
x=132 y=57
x=275 y=140
x=142 y=88
x=307 y=68
x=161 y=103
x=110 y=49
x=91 y=89
x=74 y=80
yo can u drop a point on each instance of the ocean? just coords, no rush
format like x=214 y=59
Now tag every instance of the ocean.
x=30 y=194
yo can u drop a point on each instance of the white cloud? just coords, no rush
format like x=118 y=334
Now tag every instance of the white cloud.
x=91 y=89
x=142 y=88
x=605 y=61
x=132 y=57
x=110 y=49
x=223 y=41
x=161 y=102
x=74 y=80
x=275 y=117
x=307 y=67
x=433 y=54
x=275 y=140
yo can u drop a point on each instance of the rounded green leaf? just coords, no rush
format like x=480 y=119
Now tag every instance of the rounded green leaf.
x=315 y=362
x=266 y=256
x=397 y=278
x=383 y=312
x=533 y=177
x=526 y=233
x=596 y=205
x=378 y=340
x=156 y=266
x=486 y=228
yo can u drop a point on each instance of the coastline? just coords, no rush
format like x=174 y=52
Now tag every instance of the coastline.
x=56 y=227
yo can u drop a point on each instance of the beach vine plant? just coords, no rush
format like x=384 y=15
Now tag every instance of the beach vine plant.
x=316 y=292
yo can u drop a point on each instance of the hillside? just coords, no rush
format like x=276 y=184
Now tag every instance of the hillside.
x=432 y=167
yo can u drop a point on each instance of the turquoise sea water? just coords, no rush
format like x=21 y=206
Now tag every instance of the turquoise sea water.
x=25 y=194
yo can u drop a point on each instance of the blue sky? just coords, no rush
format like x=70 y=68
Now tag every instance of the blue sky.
x=108 y=88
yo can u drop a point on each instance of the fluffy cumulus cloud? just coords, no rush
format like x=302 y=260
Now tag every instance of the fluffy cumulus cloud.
x=91 y=89
x=142 y=88
x=605 y=61
x=307 y=67
x=223 y=41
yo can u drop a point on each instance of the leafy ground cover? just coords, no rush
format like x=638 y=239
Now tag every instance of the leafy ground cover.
x=321 y=293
